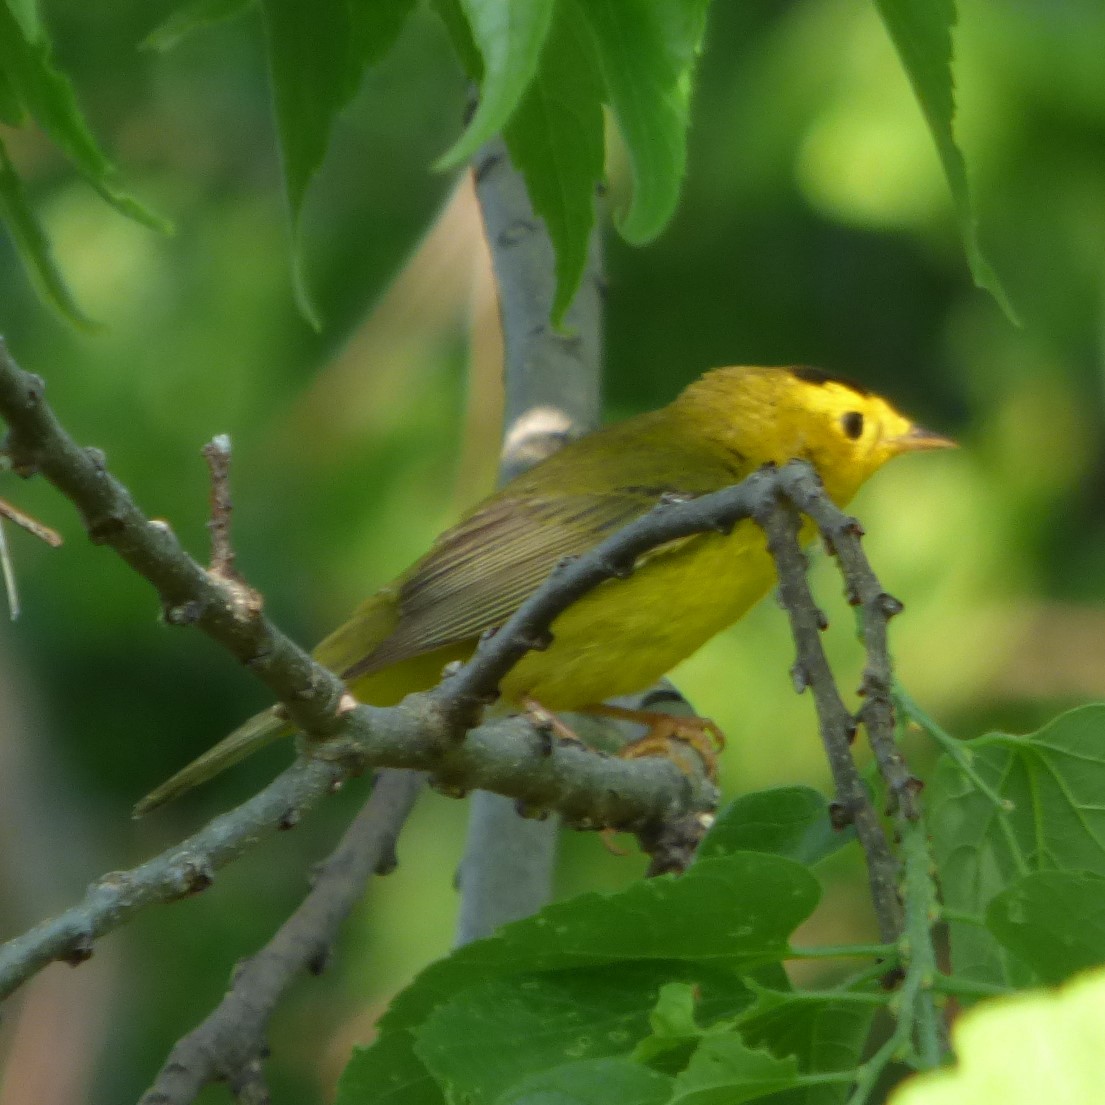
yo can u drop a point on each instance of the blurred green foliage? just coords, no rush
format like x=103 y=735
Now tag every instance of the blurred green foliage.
x=815 y=226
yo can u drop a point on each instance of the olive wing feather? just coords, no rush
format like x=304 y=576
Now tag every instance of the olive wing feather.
x=480 y=572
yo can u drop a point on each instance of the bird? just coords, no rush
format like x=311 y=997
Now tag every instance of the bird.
x=626 y=633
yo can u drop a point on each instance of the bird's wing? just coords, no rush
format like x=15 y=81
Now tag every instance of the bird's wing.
x=479 y=573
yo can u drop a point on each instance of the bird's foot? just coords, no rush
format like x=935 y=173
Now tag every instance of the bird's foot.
x=699 y=732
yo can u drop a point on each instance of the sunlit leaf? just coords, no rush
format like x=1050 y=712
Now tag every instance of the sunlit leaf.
x=1042 y=1046
x=922 y=34
x=25 y=13
x=509 y=38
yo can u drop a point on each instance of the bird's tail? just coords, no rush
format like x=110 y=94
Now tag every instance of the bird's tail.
x=260 y=730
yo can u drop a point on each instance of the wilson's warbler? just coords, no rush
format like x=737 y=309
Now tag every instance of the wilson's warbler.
x=625 y=634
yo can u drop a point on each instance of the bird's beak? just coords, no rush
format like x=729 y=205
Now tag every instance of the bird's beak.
x=917 y=438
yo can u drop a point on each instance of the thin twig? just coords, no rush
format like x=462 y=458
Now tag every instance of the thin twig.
x=217 y=454
x=230 y=1043
x=7 y=569
x=32 y=525
x=837 y=726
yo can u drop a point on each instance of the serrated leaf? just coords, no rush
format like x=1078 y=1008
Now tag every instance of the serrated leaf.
x=1053 y=920
x=723 y=913
x=555 y=138
x=1043 y=1046
x=648 y=50
x=922 y=34
x=591 y=1082
x=387 y=1073
x=33 y=245
x=494 y=1034
x=724 y=1070
x=192 y=17
x=786 y=821
x=509 y=38
x=48 y=96
x=1055 y=780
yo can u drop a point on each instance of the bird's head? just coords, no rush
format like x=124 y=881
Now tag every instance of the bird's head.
x=776 y=414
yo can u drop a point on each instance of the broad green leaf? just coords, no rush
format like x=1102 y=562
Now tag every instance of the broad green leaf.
x=1053 y=920
x=494 y=1034
x=1043 y=1046
x=555 y=138
x=648 y=50
x=191 y=17
x=591 y=1082
x=922 y=34
x=1055 y=780
x=460 y=35
x=824 y=1033
x=33 y=245
x=309 y=64
x=723 y=914
x=724 y=1070
x=387 y=1073
x=787 y=821
x=509 y=37
x=47 y=95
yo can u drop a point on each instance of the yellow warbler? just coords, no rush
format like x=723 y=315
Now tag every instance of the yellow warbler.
x=626 y=633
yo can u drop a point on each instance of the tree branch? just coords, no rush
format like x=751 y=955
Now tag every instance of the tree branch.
x=552 y=391
x=649 y=796
x=229 y=1045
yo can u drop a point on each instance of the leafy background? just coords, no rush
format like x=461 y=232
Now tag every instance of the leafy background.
x=815 y=226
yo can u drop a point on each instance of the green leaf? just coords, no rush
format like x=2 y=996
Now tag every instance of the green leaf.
x=309 y=64
x=648 y=50
x=1055 y=781
x=922 y=34
x=376 y=26
x=722 y=914
x=555 y=138
x=1053 y=920
x=825 y=1034
x=387 y=1073
x=509 y=37
x=1032 y=1048
x=724 y=1070
x=25 y=13
x=188 y=18
x=591 y=1082
x=491 y=1035
x=786 y=821
x=317 y=55
x=33 y=245
x=11 y=110
x=48 y=96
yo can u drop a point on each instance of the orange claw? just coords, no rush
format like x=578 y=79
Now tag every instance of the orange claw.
x=699 y=732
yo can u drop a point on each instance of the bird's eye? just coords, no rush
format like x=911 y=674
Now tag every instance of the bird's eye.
x=853 y=424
